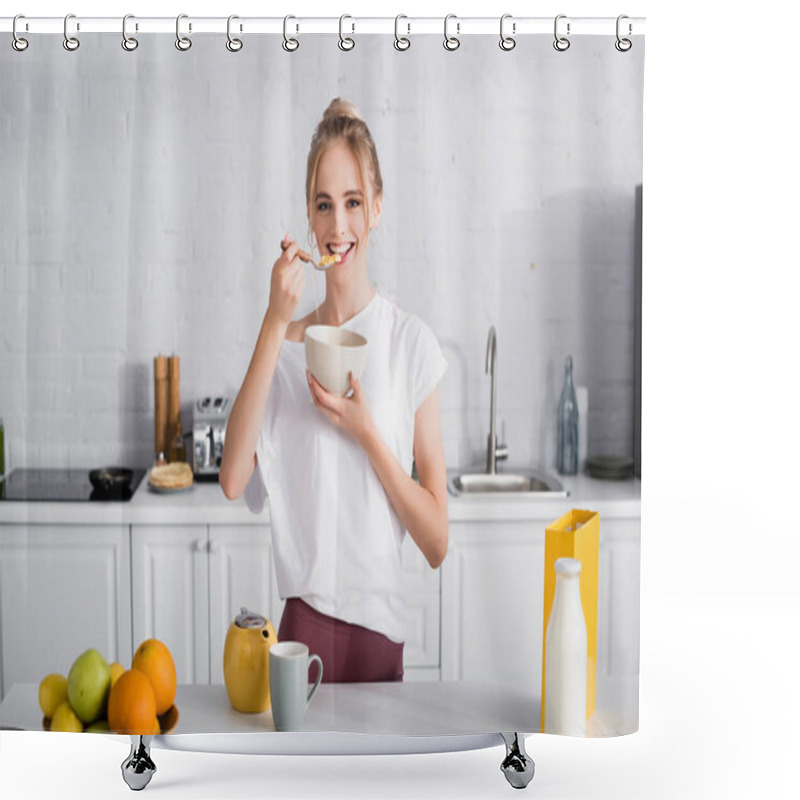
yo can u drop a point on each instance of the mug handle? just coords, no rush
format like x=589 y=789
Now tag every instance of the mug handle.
x=311 y=660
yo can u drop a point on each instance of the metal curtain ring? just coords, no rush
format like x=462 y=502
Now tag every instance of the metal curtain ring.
x=181 y=42
x=401 y=42
x=289 y=44
x=561 y=43
x=507 y=42
x=233 y=44
x=623 y=45
x=451 y=42
x=70 y=42
x=346 y=43
x=18 y=43
x=128 y=42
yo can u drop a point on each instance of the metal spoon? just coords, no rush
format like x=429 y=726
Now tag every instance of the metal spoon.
x=325 y=263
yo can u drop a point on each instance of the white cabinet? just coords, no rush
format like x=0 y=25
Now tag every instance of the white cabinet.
x=66 y=587
x=240 y=574
x=493 y=600
x=618 y=598
x=63 y=589
x=190 y=582
x=170 y=594
x=421 y=652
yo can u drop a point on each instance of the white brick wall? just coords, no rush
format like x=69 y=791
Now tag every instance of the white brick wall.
x=144 y=196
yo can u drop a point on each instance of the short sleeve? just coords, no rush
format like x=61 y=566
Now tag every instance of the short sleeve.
x=255 y=493
x=428 y=365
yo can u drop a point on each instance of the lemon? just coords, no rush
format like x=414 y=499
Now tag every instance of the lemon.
x=116 y=670
x=52 y=693
x=65 y=720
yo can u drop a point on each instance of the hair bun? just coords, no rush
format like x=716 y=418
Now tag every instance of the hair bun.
x=341 y=108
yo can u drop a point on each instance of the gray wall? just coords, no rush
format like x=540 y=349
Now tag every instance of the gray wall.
x=144 y=195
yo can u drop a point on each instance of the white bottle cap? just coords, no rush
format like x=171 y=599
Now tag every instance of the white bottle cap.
x=569 y=567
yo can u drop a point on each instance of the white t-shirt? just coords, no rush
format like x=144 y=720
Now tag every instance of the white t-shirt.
x=336 y=538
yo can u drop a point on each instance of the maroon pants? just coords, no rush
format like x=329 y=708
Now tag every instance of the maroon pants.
x=349 y=653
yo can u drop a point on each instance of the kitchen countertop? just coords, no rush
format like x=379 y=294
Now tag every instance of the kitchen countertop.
x=404 y=709
x=205 y=504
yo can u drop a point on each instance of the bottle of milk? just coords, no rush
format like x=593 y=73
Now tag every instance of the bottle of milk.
x=565 y=655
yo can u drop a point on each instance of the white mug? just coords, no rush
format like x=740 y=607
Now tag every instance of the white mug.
x=288 y=680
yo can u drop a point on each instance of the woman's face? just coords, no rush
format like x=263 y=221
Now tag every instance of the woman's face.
x=340 y=223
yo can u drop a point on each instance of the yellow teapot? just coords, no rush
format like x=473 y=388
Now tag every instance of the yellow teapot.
x=245 y=662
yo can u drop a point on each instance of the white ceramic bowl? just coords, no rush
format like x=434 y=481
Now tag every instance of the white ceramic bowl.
x=332 y=354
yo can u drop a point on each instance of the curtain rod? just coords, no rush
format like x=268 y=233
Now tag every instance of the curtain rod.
x=405 y=26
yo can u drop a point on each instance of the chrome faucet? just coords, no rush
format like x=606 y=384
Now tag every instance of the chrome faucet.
x=495 y=452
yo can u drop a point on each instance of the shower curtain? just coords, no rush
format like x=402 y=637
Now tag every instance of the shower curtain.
x=144 y=198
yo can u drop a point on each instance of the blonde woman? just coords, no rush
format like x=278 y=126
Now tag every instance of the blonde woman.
x=337 y=470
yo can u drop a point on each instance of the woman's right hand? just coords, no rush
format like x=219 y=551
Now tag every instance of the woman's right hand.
x=286 y=284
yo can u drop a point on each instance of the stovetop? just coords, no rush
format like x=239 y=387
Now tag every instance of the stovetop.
x=61 y=485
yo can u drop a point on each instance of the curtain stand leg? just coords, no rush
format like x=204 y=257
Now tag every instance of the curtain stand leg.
x=138 y=768
x=517 y=766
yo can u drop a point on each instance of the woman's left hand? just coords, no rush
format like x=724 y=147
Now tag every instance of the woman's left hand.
x=352 y=414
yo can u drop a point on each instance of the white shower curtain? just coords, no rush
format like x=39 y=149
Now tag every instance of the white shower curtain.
x=145 y=195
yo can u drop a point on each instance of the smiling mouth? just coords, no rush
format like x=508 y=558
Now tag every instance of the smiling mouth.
x=341 y=250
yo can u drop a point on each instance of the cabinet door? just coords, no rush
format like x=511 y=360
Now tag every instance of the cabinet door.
x=421 y=659
x=63 y=589
x=240 y=574
x=170 y=590
x=618 y=601
x=492 y=602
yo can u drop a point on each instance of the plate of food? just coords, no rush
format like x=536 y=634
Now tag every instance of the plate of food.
x=169 y=478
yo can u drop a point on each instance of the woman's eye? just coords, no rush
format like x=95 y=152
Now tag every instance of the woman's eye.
x=353 y=203
x=322 y=206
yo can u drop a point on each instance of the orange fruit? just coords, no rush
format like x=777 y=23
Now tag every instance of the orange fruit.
x=154 y=659
x=132 y=705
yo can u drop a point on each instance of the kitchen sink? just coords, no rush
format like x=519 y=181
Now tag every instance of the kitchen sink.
x=525 y=482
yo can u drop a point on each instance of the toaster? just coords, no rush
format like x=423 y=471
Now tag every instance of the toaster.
x=209 y=419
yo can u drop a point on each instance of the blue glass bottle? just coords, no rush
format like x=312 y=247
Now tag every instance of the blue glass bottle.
x=567 y=460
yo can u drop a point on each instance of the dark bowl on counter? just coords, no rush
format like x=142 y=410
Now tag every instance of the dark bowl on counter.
x=111 y=480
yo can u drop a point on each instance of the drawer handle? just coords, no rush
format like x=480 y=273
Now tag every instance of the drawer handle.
x=200 y=545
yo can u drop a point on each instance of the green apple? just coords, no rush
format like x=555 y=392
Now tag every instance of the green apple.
x=88 y=683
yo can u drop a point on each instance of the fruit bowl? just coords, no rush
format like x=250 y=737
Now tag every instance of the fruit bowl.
x=167 y=722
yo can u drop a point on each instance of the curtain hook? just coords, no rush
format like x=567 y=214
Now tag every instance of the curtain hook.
x=401 y=42
x=70 y=42
x=561 y=43
x=128 y=42
x=233 y=44
x=346 y=43
x=289 y=44
x=507 y=42
x=18 y=43
x=182 y=42
x=451 y=42
x=623 y=45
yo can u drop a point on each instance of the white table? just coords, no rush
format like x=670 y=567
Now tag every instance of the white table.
x=354 y=718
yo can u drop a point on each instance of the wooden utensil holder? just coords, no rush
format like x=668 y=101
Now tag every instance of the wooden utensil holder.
x=160 y=375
